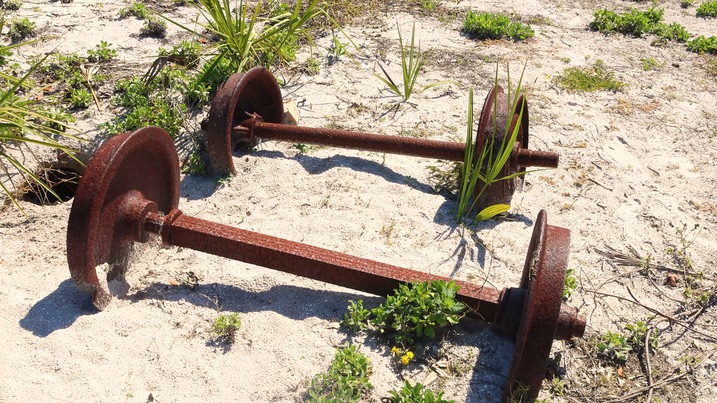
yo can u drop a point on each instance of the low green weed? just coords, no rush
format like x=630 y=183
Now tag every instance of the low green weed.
x=638 y=23
x=571 y=284
x=412 y=60
x=195 y=164
x=137 y=9
x=21 y=28
x=415 y=311
x=708 y=9
x=649 y=63
x=80 y=98
x=225 y=327
x=702 y=44
x=686 y=3
x=103 y=52
x=415 y=394
x=637 y=334
x=495 y=26
x=347 y=380
x=153 y=103
x=591 y=78
x=613 y=347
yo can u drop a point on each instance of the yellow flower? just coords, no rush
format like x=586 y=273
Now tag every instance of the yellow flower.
x=396 y=351
x=406 y=358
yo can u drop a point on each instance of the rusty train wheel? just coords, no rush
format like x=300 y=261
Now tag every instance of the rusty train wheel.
x=138 y=164
x=255 y=91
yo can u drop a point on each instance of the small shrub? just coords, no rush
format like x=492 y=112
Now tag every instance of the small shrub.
x=101 y=53
x=226 y=326
x=137 y=9
x=418 y=310
x=495 y=26
x=415 y=394
x=80 y=98
x=613 y=347
x=154 y=28
x=21 y=28
x=11 y=5
x=686 y=3
x=638 y=334
x=638 y=23
x=703 y=45
x=347 y=380
x=708 y=9
x=591 y=78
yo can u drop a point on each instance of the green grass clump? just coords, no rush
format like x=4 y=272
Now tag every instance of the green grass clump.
x=702 y=44
x=345 y=381
x=591 y=78
x=415 y=311
x=495 y=26
x=415 y=394
x=225 y=327
x=708 y=9
x=638 y=23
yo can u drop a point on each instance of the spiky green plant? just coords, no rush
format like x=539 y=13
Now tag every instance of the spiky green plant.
x=23 y=126
x=485 y=169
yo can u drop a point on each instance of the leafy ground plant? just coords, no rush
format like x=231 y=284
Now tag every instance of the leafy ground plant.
x=613 y=347
x=225 y=327
x=415 y=311
x=484 y=169
x=347 y=380
x=412 y=61
x=495 y=26
x=21 y=28
x=638 y=23
x=708 y=9
x=415 y=394
x=591 y=78
x=703 y=44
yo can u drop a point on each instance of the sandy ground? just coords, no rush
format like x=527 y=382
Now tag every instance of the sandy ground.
x=636 y=168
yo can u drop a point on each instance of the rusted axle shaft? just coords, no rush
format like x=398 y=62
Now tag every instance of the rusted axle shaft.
x=445 y=150
x=501 y=307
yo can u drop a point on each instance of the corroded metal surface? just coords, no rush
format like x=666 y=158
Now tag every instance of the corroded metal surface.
x=236 y=99
x=130 y=189
x=544 y=314
x=127 y=168
x=242 y=106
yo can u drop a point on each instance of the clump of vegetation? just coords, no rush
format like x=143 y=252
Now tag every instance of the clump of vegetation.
x=21 y=28
x=415 y=311
x=184 y=53
x=10 y=5
x=495 y=26
x=137 y=9
x=638 y=23
x=571 y=284
x=225 y=327
x=708 y=9
x=76 y=80
x=591 y=78
x=347 y=380
x=154 y=28
x=702 y=44
x=613 y=347
x=155 y=102
x=415 y=394
x=103 y=52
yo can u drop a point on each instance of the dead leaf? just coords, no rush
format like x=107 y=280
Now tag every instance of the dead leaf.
x=671 y=280
x=430 y=378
